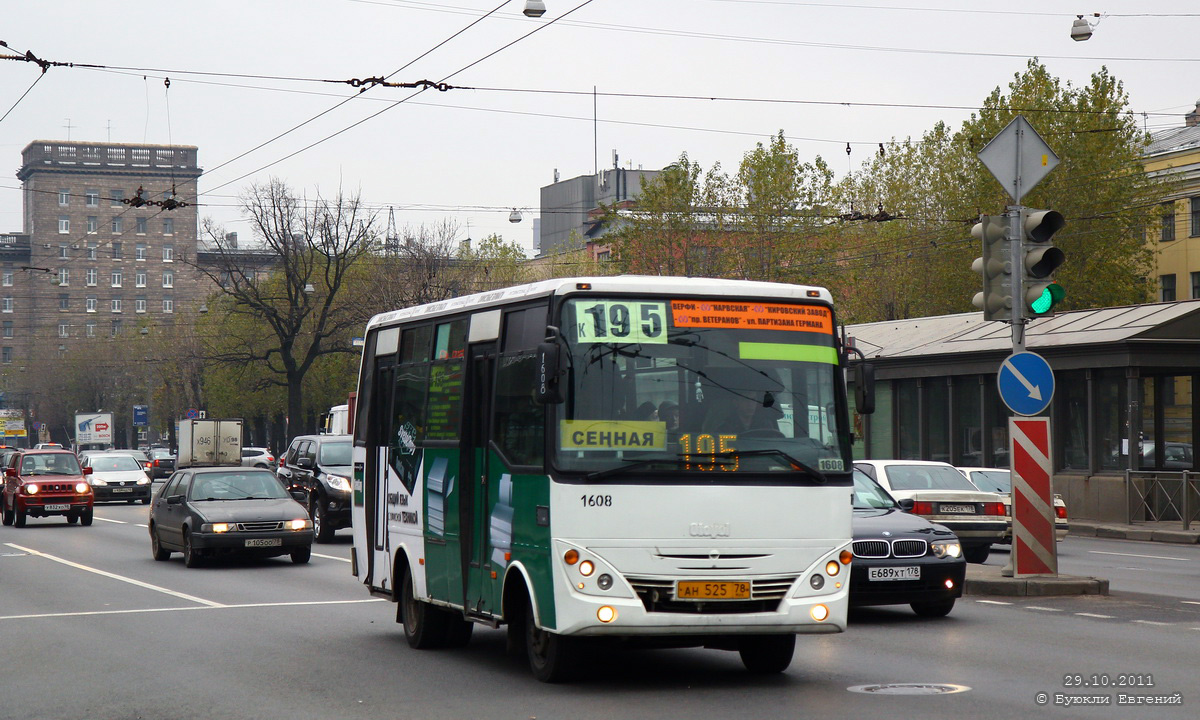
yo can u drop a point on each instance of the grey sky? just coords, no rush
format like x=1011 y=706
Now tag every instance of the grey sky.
x=855 y=73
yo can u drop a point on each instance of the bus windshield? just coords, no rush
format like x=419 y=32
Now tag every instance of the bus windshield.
x=720 y=388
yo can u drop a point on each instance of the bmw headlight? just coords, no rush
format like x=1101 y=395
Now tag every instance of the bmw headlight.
x=946 y=549
x=337 y=482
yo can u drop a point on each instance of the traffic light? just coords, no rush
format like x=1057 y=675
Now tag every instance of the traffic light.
x=1040 y=258
x=995 y=265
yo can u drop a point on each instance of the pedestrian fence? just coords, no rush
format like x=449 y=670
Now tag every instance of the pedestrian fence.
x=1155 y=496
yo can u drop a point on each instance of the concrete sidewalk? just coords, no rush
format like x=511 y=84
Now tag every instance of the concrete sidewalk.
x=1167 y=531
x=987 y=580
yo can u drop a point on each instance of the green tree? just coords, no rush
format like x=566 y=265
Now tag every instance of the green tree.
x=920 y=264
x=281 y=304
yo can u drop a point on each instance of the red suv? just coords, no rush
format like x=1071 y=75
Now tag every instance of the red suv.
x=41 y=483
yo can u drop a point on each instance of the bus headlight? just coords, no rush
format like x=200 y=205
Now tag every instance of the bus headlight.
x=819 y=612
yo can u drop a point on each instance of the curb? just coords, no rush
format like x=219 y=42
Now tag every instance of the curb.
x=987 y=580
x=1135 y=532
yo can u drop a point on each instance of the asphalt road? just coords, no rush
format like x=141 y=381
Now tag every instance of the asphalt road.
x=92 y=627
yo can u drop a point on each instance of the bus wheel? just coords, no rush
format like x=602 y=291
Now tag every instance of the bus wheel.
x=458 y=631
x=424 y=625
x=552 y=657
x=767 y=654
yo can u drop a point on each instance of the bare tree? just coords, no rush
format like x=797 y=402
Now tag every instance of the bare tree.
x=280 y=302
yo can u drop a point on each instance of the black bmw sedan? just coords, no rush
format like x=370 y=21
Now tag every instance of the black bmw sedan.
x=900 y=558
x=204 y=512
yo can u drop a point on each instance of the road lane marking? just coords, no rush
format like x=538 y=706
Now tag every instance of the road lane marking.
x=1190 y=602
x=187 y=609
x=1150 y=557
x=131 y=581
x=1151 y=622
x=1094 y=615
x=116 y=522
x=331 y=557
x=992 y=602
x=1043 y=609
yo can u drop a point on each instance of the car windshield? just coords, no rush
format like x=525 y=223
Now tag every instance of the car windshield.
x=687 y=388
x=56 y=464
x=236 y=486
x=160 y=454
x=334 y=453
x=868 y=494
x=992 y=480
x=114 y=463
x=926 y=477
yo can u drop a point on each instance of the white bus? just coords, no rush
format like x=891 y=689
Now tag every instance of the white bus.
x=608 y=457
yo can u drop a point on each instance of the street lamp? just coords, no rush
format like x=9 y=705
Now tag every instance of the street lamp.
x=1081 y=29
x=514 y=216
x=534 y=8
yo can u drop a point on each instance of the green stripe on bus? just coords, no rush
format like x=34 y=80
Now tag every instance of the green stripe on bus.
x=787 y=351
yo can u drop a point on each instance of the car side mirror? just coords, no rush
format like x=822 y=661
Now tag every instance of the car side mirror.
x=549 y=372
x=864 y=388
x=300 y=496
x=10 y=472
x=175 y=500
x=305 y=462
x=906 y=504
x=87 y=470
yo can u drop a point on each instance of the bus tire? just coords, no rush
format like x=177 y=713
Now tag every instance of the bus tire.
x=552 y=657
x=767 y=654
x=424 y=625
x=458 y=631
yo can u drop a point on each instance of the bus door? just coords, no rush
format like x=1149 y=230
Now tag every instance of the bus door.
x=474 y=504
x=376 y=475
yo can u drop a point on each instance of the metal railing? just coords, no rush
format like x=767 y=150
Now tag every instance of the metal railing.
x=1155 y=496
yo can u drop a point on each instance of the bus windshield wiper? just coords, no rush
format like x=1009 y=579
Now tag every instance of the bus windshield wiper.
x=797 y=464
x=634 y=464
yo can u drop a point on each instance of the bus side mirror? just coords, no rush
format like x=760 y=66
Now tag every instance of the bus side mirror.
x=549 y=371
x=864 y=388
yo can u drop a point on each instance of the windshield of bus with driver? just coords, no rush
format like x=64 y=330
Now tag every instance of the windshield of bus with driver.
x=699 y=386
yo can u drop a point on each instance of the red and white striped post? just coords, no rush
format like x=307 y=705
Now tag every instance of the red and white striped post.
x=1033 y=547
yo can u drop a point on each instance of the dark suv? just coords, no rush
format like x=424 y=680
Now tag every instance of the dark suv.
x=320 y=466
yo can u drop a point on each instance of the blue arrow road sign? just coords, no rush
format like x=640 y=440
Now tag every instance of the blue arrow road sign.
x=1026 y=383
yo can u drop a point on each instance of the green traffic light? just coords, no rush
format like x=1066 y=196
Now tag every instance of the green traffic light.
x=1050 y=296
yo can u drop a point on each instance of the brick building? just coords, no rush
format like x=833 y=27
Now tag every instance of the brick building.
x=92 y=260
